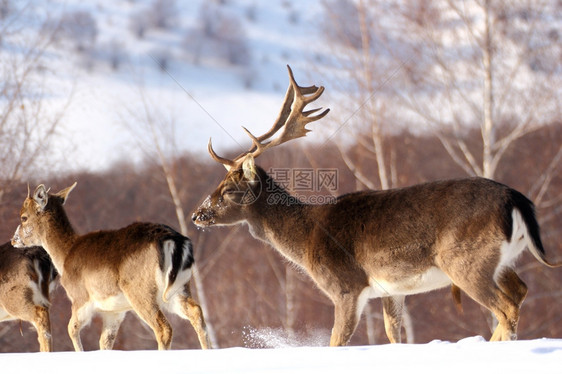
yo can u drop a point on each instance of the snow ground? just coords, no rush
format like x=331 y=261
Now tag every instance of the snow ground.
x=470 y=355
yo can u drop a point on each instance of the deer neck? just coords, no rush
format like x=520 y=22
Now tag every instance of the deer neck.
x=58 y=238
x=282 y=221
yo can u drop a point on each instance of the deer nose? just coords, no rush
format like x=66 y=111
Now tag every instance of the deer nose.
x=16 y=241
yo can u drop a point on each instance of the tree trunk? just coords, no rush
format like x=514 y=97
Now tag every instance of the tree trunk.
x=197 y=282
x=488 y=128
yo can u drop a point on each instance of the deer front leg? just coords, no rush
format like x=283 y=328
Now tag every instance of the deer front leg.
x=392 y=307
x=81 y=316
x=345 y=320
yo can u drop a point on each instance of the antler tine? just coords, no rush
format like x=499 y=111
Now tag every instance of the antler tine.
x=224 y=161
x=308 y=119
x=282 y=116
x=292 y=119
x=314 y=93
x=257 y=146
x=301 y=91
x=293 y=90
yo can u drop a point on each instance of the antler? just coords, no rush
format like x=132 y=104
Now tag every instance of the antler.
x=225 y=161
x=291 y=119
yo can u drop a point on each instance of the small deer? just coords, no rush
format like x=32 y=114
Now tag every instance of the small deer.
x=26 y=279
x=466 y=233
x=144 y=267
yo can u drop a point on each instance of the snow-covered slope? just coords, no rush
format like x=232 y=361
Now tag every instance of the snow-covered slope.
x=471 y=355
x=204 y=96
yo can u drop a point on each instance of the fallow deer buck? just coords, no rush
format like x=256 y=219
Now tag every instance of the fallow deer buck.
x=144 y=267
x=26 y=279
x=389 y=244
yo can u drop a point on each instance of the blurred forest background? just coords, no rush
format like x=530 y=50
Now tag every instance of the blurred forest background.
x=418 y=91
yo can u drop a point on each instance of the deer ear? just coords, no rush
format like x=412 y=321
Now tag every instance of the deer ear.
x=249 y=168
x=41 y=196
x=64 y=193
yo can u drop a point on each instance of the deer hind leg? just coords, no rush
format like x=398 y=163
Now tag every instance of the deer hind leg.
x=512 y=286
x=38 y=316
x=515 y=290
x=19 y=304
x=500 y=299
x=161 y=327
x=42 y=324
x=148 y=310
x=190 y=310
x=507 y=314
x=159 y=324
x=111 y=323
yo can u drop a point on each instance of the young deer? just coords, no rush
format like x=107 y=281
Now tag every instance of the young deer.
x=144 y=267
x=26 y=279
x=388 y=244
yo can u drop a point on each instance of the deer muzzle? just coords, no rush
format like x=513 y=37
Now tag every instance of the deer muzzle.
x=203 y=217
x=16 y=239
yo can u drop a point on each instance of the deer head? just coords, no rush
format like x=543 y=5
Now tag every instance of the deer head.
x=38 y=208
x=243 y=186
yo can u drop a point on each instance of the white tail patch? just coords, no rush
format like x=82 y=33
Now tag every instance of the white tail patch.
x=512 y=249
x=183 y=276
x=38 y=297
x=168 y=248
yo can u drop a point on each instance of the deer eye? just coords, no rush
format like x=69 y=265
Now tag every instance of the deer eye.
x=228 y=191
x=23 y=219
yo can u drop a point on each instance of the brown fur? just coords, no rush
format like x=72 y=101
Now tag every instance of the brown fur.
x=456 y=293
x=18 y=269
x=111 y=272
x=385 y=244
x=385 y=239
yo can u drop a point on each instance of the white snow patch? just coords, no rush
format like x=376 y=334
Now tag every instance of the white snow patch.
x=471 y=355
x=279 y=338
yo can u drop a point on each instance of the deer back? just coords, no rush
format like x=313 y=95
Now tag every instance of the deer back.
x=409 y=230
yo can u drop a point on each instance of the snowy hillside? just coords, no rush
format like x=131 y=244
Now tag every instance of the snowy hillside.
x=184 y=78
x=205 y=68
x=471 y=355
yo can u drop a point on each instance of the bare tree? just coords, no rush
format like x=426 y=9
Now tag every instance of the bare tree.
x=449 y=67
x=27 y=124
x=357 y=51
x=488 y=64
